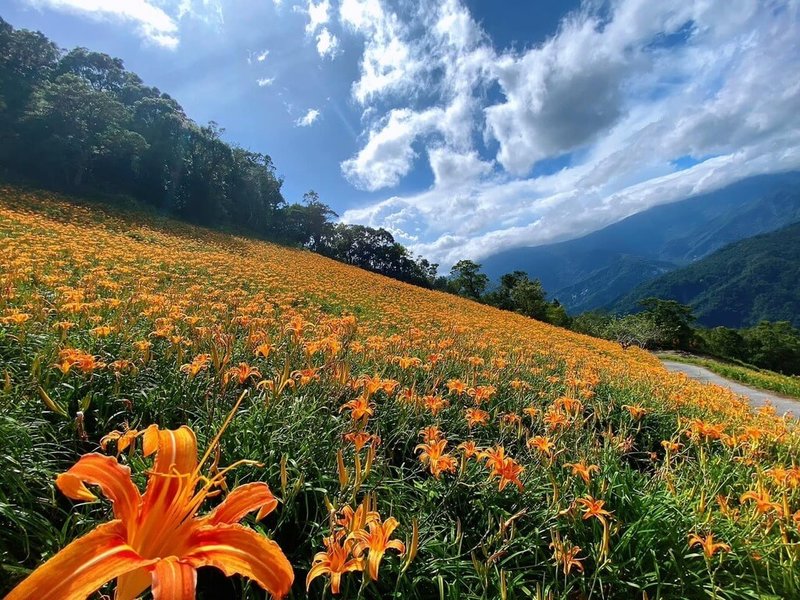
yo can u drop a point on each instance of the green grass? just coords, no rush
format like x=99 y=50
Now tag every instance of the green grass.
x=786 y=385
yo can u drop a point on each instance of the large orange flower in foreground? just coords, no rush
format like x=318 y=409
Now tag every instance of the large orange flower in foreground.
x=157 y=539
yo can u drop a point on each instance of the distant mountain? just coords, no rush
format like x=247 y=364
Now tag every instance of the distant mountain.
x=601 y=287
x=746 y=282
x=591 y=271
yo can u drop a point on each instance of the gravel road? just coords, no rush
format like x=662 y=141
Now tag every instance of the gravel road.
x=757 y=397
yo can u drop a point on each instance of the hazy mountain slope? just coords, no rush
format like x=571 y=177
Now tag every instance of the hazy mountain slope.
x=746 y=282
x=599 y=289
x=592 y=270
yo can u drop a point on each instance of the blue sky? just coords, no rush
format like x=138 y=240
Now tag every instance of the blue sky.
x=471 y=126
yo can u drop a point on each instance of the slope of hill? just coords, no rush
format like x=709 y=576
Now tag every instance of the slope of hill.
x=504 y=453
x=746 y=282
x=583 y=273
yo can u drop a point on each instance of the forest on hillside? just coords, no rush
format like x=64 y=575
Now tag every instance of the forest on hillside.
x=78 y=121
x=750 y=281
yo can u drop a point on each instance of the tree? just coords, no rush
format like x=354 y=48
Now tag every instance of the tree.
x=674 y=320
x=467 y=280
x=557 y=315
x=74 y=125
x=725 y=342
x=639 y=329
x=774 y=346
x=528 y=298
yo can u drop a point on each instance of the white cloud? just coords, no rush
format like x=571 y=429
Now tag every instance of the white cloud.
x=265 y=81
x=388 y=62
x=151 y=22
x=609 y=101
x=262 y=56
x=388 y=154
x=318 y=15
x=452 y=169
x=327 y=43
x=308 y=119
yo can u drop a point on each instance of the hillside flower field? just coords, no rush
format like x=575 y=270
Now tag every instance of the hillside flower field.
x=220 y=416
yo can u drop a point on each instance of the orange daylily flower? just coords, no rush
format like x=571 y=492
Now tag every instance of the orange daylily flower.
x=264 y=350
x=407 y=362
x=710 y=547
x=456 y=386
x=567 y=556
x=542 y=444
x=476 y=416
x=334 y=561
x=156 y=538
x=436 y=458
x=353 y=520
x=494 y=457
x=482 y=393
x=763 y=502
x=531 y=411
x=554 y=419
x=431 y=433
x=593 y=507
x=636 y=411
x=508 y=472
x=582 y=470
x=377 y=542
x=199 y=363
x=305 y=376
x=708 y=431
x=359 y=408
x=359 y=439
x=434 y=403
x=469 y=447
x=243 y=373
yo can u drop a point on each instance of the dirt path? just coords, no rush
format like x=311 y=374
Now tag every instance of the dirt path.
x=757 y=397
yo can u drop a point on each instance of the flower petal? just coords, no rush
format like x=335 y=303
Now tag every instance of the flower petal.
x=174 y=580
x=320 y=568
x=133 y=584
x=111 y=477
x=82 y=567
x=174 y=447
x=374 y=562
x=241 y=501
x=235 y=549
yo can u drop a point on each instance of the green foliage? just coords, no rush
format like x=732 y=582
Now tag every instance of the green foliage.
x=673 y=320
x=467 y=280
x=639 y=329
x=665 y=324
x=774 y=345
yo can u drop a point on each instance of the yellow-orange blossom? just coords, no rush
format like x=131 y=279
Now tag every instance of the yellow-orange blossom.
x=156 y=538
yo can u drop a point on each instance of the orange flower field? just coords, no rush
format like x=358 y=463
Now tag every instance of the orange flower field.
x=358 y=437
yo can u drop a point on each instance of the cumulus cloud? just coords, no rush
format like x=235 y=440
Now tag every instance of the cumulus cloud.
x=265 y=81
x=308 y=119
x=580 y=130
x=318 y=15
x=152 y=23
x=388 y=61
x=316 y=27
x=327 y=43
x=388 y=154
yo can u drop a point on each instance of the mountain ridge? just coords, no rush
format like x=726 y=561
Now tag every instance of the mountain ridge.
x=745 y=282
x=674 y=234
